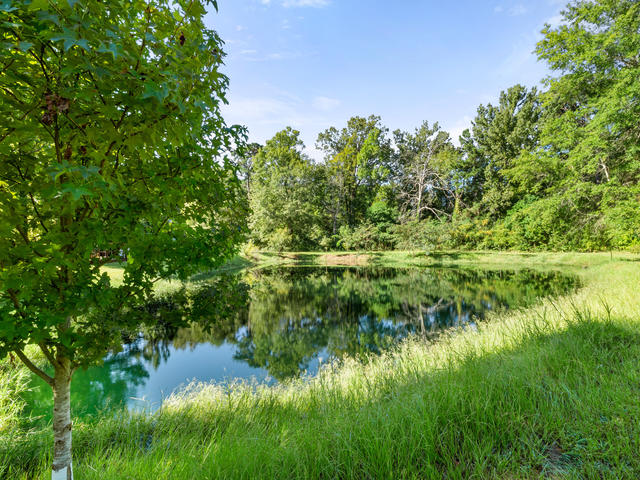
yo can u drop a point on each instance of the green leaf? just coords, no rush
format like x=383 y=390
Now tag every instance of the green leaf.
x=24 y=46
x=114 y=49
x=68 y=38
x=77 y=192
x=7 y=6
x=153 y=90
x=39 y=5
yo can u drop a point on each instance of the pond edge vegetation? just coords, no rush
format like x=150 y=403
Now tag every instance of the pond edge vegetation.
x=549 y=390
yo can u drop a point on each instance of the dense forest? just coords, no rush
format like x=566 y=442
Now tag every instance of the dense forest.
x=552 y=168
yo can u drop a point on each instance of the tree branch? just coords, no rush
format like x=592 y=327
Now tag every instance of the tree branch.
x=6 y=67
x=33 y=368
x=40 y=61
x=33 y=201
x=24 y=236
x=47 y=353
x=43 y=347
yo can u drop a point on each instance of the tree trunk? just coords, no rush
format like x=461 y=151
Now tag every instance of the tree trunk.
x=605 y=169
x=419 y=203
x=62 y=469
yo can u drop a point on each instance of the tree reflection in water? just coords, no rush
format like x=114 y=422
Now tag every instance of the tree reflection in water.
x=283 y=320
x=297 y=313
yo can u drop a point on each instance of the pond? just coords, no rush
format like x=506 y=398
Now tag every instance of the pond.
x=273 y=324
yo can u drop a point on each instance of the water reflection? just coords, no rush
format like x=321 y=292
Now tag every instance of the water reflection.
x=276 y=323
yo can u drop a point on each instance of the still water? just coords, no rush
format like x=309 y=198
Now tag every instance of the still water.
x=273 y=324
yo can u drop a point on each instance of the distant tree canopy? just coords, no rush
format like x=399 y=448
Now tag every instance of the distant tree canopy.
x=497 y=137
x=286 y=191
x=555 y=169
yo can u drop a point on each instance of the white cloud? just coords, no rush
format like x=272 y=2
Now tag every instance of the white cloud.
x=275 y=56
x=278 y=110
x=522 y=57
x=305 y=3
x=296 y=3
x=458 y=127
x=266 y=114
x=518 y=10
x=260 y=110
x=514 y=11
x=325 y=104
x=252 y=55
x=555 y=21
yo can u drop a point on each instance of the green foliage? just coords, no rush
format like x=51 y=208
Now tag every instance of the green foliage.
x=358 y=164
x=498 y=135
x=426 y=173
x=587 y=166
x=621 y=217
x=557 y=169
x=593 y=108
x=286 y=191
x=112 y=142
x=375 y=233
x=491 y=402
x=425 y=234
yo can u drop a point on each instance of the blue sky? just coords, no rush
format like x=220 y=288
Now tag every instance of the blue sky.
x=312 y=64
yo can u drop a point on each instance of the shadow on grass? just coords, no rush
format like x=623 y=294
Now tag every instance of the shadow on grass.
x=423 y=259
x=305 y=258
x=234 y=265
x=554 y=405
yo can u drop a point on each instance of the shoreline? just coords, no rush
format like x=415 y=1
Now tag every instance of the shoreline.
x=531 y=392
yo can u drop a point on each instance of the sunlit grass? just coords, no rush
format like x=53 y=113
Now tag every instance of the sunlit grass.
x=550 y=391
x=510 y=259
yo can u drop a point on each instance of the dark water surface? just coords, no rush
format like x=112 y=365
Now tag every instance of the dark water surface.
x=279 y=323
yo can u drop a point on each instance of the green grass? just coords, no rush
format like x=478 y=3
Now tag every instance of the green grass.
x=421 y=258
x=547 y=392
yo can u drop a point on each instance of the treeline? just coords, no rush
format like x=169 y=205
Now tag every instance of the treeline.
x=554 y=169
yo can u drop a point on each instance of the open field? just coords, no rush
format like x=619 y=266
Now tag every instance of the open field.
x=547 y=392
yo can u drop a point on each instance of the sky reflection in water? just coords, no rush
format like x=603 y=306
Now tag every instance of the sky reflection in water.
x=277 y=323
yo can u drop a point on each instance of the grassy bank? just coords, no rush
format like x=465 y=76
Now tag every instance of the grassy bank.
x=421 y=258
x=551 y=391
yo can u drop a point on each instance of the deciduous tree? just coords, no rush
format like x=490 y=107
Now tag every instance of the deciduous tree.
x=424 y=177
x=499 y=134
x=111 y=140
x=357 y=158
x=285 y=195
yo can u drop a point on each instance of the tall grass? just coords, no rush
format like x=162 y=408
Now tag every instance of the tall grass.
x=550 y=391
x=17 y=448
